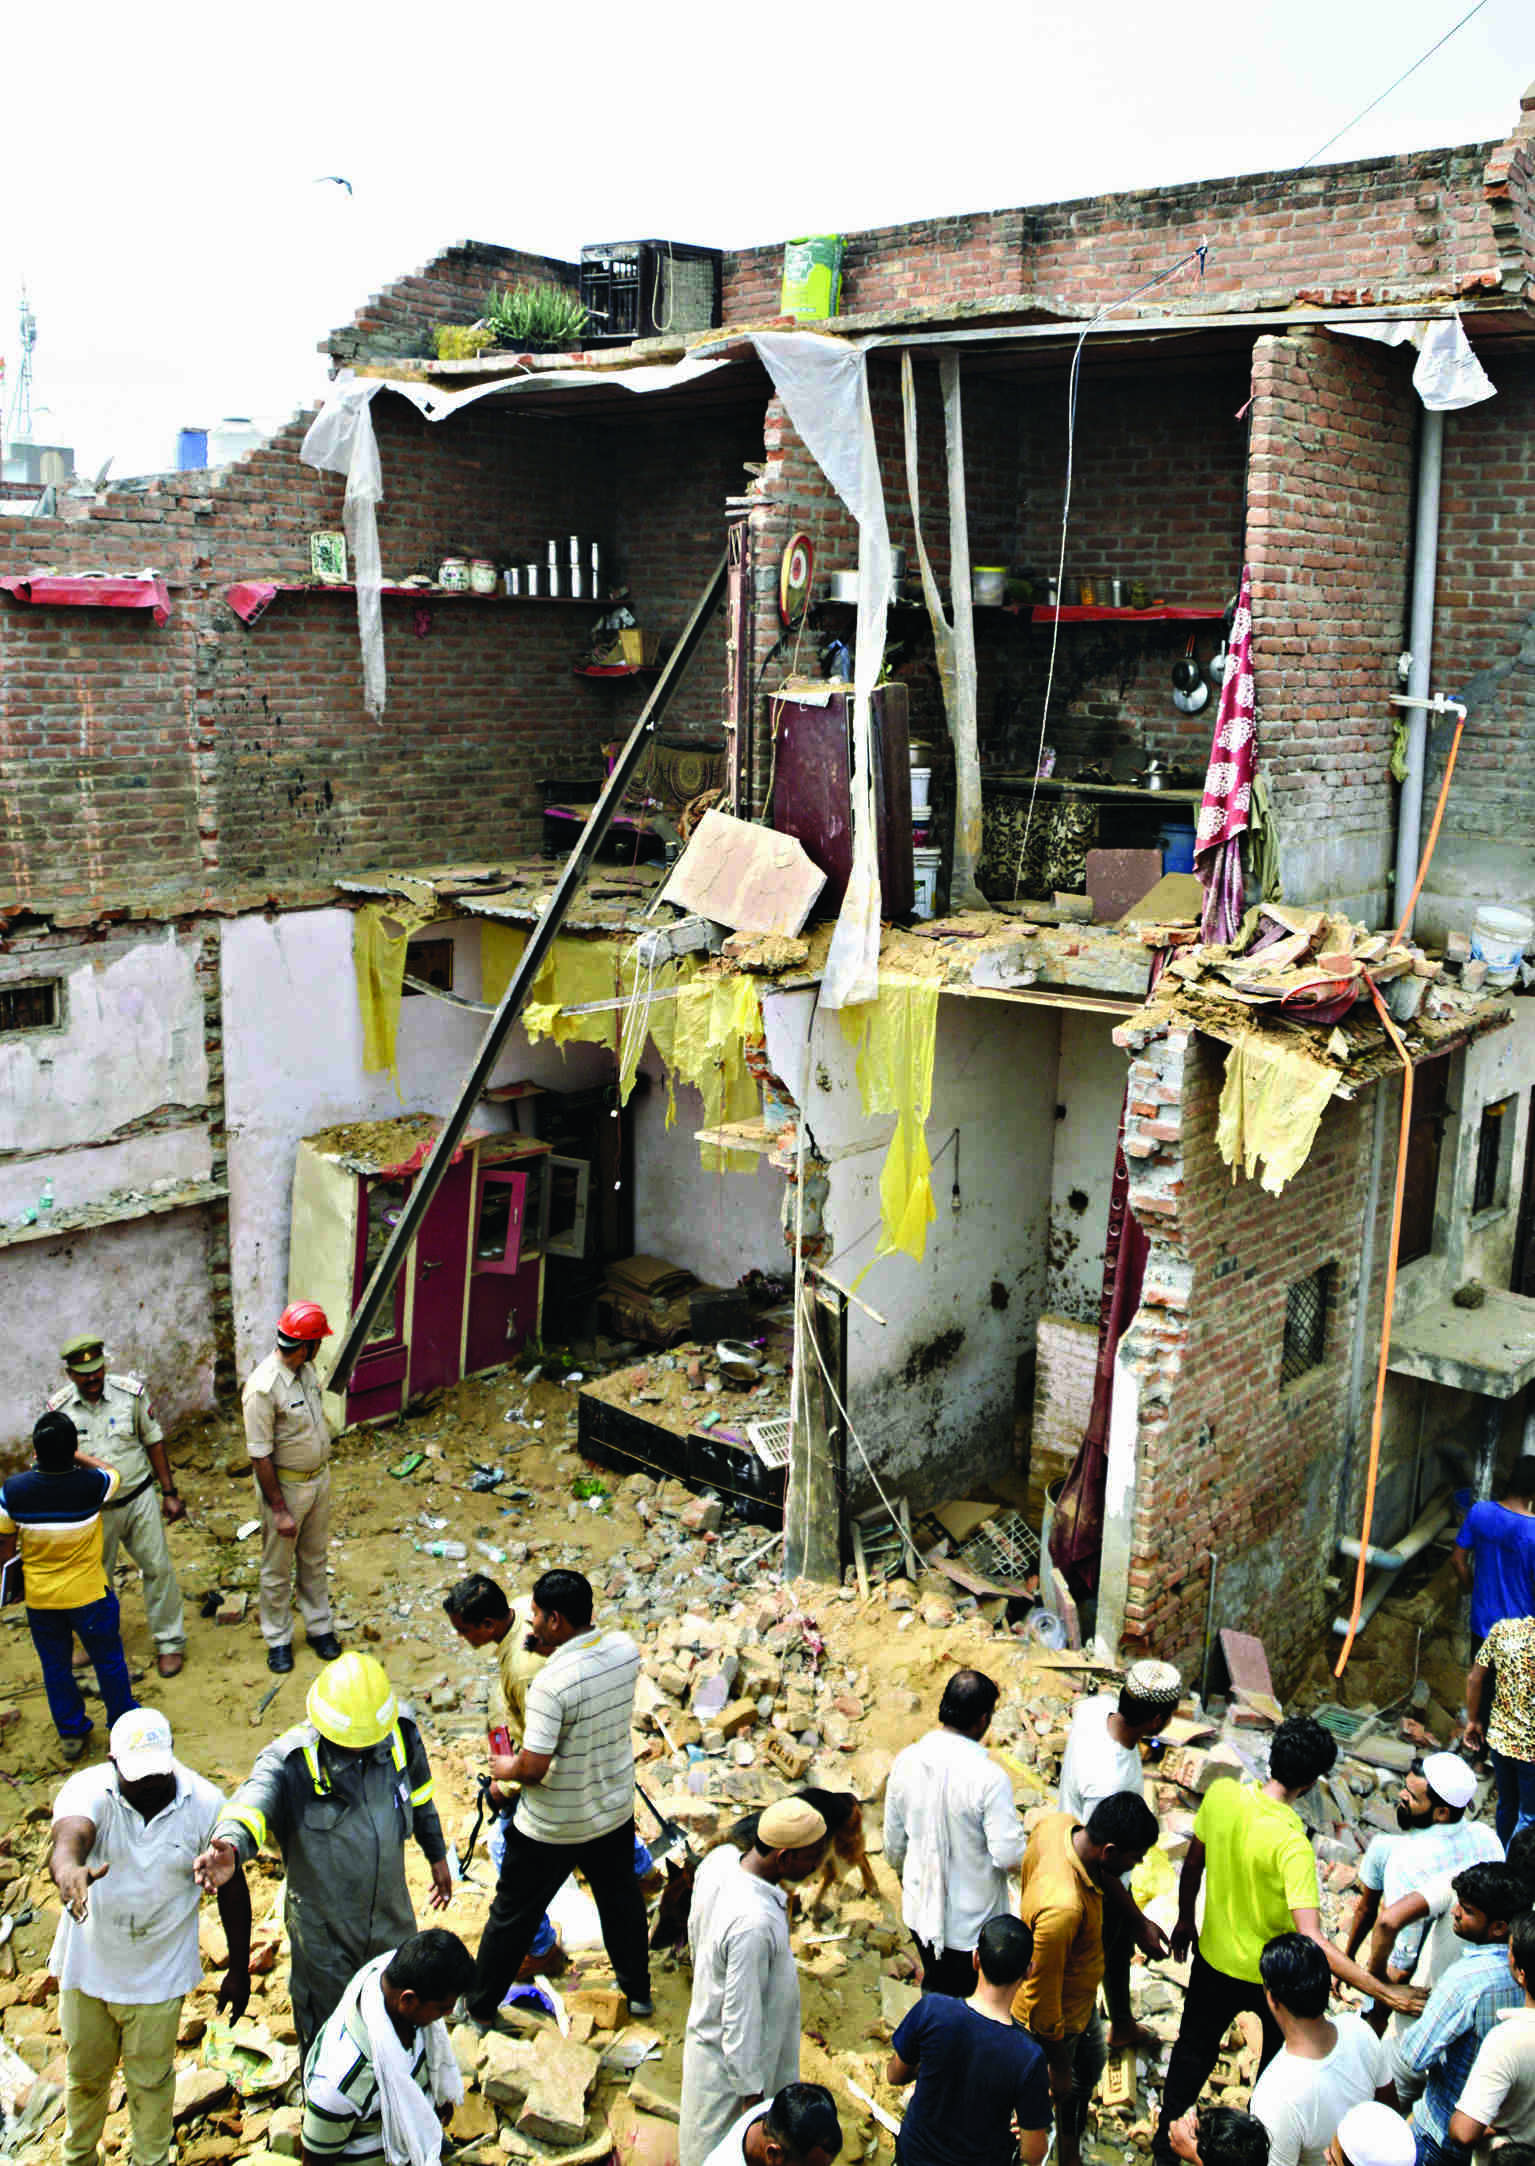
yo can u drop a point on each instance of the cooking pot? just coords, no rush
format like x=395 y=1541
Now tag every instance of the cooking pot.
x=844 y=586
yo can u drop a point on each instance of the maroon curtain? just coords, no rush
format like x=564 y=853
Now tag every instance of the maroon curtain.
x=1076 y=1538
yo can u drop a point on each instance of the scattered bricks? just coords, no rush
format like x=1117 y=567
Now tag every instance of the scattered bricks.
x=231 y=1611
x=443 y=1699
x=197 y=2090
x=790 y=1759
x=8 y=1715
x=702 y=1516
x=282 y=2129
x=1194 y=1770
x=738 y=1716
x=938 y=1612
x=645 y=2098
x=604 y=2004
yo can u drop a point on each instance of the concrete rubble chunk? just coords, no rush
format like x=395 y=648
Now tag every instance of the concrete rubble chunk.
x=549 y=2075
x=198 y=2089
x=645 y=2098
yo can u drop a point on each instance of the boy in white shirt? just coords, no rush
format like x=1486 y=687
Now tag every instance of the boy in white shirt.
x=1327 y=2064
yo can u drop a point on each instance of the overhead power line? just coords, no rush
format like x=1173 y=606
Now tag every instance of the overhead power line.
x=1385 y=94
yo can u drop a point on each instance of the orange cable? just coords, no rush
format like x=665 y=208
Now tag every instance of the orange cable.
x=1373 y=1471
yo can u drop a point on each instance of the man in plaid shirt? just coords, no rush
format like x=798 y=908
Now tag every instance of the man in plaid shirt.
x=1434 y=2056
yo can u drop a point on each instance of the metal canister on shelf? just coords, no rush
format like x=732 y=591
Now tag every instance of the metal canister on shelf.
x=551 y=552
x=532 y=578
x=1052 y=593
x=514 y=579
x=1116 y=593
x=576 y=550
x=577 y=583
x=556 y=574
x=595 y=561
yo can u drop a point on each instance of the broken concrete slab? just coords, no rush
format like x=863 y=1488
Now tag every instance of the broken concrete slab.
x=752 y=879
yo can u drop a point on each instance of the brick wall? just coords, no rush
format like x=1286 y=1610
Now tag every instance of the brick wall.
x=1453 y=220
x=212 y=756
x=1330 y=481
x=1230 y=1459
x=453 y=288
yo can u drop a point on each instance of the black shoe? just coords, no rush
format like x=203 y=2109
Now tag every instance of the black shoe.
x=325 y=1645
x=280 y=1659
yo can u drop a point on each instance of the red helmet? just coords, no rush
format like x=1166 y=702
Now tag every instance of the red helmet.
x=303 y=1322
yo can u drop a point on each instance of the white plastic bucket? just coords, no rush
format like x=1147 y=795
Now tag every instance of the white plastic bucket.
x=925 y=865
x=1500 y=937
x=921 y=783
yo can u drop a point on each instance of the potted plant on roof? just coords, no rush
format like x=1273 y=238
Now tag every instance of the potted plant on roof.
x=536 y=318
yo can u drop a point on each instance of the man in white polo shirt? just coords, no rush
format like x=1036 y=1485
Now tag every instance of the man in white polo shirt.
x=124 y=1840
x=576 y=1804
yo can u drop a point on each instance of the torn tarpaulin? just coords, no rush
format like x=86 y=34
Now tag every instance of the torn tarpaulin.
x=1272 y=1103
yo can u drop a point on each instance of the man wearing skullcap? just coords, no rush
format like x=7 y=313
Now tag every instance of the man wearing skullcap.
x=1436 y=1841
x=742 y=2041
x=1103 y=1756
x=1372 y=2135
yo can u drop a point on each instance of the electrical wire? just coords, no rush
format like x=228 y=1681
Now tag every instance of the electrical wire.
x=895 y=1517
x=1385 y=94
x=1072 y=384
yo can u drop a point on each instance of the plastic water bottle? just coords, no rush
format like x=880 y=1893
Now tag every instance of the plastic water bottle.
x=45 y=1200
x=455 y=1550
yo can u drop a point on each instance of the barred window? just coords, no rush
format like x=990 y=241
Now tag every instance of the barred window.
x=35 y=1006
x=1305 y=1324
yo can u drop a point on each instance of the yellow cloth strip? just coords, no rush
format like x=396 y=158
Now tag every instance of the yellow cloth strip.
x=1272 y=1103
x=896 y=1036
x=381 y=932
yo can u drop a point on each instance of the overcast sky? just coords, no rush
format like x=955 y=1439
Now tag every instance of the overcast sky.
x=183 y=259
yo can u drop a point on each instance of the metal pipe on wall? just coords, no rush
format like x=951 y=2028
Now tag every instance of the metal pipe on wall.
x=1420 y=642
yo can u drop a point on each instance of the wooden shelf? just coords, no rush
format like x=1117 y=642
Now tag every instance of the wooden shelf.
x=1093 y=613
x=1015 y=785
x=616 y=669
x=251 y=598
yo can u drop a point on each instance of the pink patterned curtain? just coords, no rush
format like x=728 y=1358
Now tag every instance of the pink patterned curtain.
x=1224 y=813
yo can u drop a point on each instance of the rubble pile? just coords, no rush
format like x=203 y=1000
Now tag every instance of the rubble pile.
x=749 y=1687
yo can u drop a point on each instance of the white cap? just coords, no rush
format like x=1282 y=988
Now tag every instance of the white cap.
x=140 y=1744
x=1372 y=2135
x=1450 y=1779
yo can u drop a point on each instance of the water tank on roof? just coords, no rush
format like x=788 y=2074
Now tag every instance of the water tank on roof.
x=231 y=438
x=191 y=450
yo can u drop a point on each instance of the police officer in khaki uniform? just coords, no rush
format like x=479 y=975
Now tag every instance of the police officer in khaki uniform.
x=288 y=1439
x=116 y=1424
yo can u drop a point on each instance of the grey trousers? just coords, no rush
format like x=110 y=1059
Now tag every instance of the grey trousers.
x=139 y=1529
x=301 y=1560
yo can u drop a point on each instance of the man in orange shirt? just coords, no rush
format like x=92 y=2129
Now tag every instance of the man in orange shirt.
x=52 y=1513
x=1061 y=1901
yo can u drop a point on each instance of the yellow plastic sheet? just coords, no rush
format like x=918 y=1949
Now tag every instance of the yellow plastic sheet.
x=381 y=933
x=712 y=1019
x=1272 y=1103
x=896 y=1036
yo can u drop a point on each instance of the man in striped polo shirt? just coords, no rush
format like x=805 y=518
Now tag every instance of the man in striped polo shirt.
x=380 y=2081
x=576 y=1801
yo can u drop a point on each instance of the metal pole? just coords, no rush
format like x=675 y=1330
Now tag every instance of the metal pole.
x=1420 y=643
x=514 y=999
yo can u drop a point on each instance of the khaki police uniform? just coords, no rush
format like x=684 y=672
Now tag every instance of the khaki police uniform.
x=285 y=1422
x=116 y=1429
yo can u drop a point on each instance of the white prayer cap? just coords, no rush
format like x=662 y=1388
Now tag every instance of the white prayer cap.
x=1448 y=1776
x=1372 y=2135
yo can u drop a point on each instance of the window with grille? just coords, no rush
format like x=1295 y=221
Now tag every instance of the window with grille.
x=1305 y=1324
x=1494 y=1157
x=432 y=962
x=37 y=1006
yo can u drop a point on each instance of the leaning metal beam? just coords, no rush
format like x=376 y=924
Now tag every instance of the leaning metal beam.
x=515 y=998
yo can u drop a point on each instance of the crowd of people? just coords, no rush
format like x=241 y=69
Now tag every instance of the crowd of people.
x=1003 y=2049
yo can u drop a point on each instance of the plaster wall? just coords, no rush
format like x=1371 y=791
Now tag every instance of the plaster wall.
x=130 y=1044
x=1089 y=1090
x=293 y=1064
x=717 y=1224
x=143 y=1284
x=932 y=1391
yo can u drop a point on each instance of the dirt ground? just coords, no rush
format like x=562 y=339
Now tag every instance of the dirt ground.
x=864 y=1676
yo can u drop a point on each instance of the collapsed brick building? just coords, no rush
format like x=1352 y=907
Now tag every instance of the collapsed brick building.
x=190 y=805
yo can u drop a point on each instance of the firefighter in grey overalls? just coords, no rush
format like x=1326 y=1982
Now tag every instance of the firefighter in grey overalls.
x=338 y=1795
x=116 y=1424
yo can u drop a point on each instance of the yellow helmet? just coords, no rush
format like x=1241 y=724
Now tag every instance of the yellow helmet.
x=352 y=1702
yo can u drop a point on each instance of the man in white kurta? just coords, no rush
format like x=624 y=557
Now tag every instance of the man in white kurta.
x=742 y=2041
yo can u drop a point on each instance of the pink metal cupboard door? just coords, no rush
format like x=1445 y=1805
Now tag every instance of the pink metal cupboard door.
x=441 y=1272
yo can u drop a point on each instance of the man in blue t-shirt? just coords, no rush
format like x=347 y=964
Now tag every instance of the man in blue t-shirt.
x=977 y=2072
x=1494 y=1553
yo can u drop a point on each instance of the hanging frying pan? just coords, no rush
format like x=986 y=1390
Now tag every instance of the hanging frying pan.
x=794 y=575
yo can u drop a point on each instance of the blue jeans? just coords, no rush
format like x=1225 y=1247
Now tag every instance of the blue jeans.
x=1439 y=2154
x=53 y=1635
x=1516 y=1794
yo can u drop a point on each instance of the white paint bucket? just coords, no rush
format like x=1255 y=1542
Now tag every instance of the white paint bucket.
x=1500 y=937
x=921 y=783
x=925 y=865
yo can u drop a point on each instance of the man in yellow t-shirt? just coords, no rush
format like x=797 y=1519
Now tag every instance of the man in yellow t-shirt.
x=51 y=1513
x=1251 y=1851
